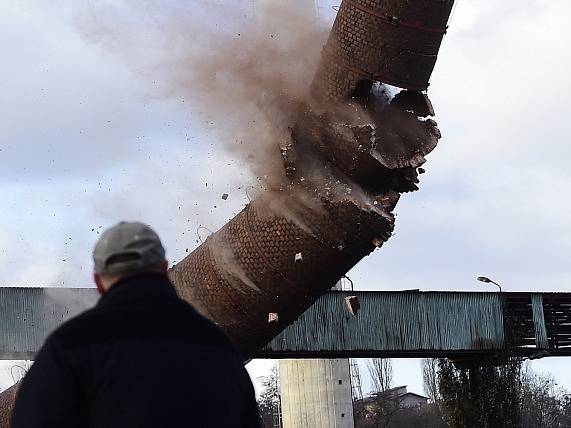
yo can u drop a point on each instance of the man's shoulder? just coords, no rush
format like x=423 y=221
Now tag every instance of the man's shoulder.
x=177 y=320
x=76 y=327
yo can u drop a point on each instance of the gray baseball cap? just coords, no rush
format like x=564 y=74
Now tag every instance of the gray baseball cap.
x=127 y=249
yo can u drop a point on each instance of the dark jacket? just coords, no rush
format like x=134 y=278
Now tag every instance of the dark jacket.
x=141 y=358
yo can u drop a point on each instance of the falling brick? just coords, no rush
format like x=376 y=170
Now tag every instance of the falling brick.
x=353 y=304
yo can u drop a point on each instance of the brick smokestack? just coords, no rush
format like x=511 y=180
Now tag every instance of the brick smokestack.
x=349 y=157
x=391 y=41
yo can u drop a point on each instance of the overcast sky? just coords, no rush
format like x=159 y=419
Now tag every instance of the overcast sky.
x=86 y=140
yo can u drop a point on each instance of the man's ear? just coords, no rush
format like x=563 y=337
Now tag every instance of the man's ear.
x=99 y=283
x=165 y=267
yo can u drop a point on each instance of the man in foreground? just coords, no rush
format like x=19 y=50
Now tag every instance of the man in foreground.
x=141 y=358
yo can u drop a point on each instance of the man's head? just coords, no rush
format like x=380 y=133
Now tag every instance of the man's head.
x=127 y=249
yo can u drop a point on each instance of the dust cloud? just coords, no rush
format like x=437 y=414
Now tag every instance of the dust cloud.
x=240 y=73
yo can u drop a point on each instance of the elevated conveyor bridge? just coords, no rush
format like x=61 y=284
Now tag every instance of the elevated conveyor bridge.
x=349 y=324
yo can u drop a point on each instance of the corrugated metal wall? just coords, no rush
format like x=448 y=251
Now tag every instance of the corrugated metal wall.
x=398 y=322
x=28 y=315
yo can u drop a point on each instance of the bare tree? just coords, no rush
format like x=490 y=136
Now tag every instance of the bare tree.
x=544 y=404
x=381 y=371
x=386 y=405
x=269 y=403
x=430 y=378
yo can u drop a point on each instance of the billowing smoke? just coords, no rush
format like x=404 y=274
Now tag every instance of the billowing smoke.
x=241 y=74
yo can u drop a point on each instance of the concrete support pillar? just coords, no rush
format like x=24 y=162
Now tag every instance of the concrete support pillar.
x=316 y=394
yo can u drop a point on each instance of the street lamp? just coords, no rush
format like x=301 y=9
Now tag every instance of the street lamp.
x=488 y=281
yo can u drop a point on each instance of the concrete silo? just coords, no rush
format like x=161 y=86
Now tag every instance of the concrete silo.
x=316 y=393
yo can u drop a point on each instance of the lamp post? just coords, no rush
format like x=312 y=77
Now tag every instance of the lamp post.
x=489 y=281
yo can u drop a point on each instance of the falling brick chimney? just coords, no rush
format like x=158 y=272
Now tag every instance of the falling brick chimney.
x=294 y=243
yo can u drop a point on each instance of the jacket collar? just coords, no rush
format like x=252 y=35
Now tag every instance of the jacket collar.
x=144 y=287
